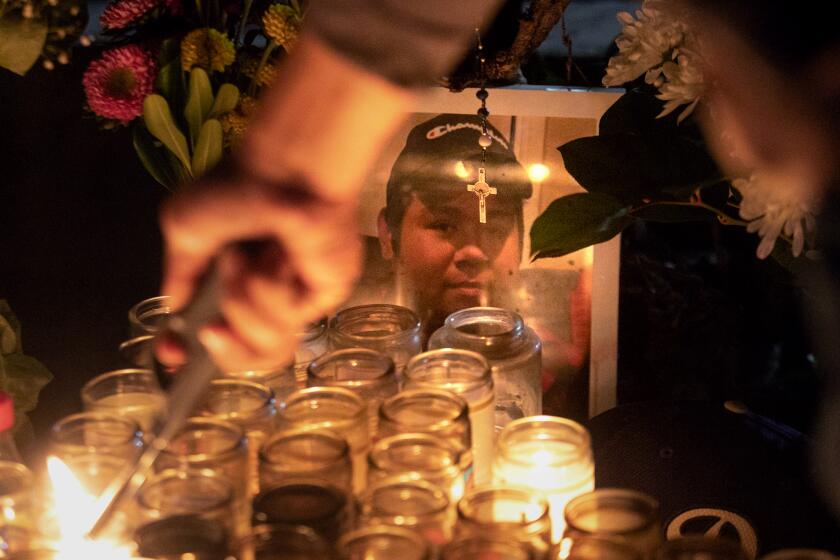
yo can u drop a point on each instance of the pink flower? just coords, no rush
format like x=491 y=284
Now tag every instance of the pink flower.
x=117 y=83
x=123 y=13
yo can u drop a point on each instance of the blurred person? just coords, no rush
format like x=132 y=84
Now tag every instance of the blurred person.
x=773 y=73
x=293 y=182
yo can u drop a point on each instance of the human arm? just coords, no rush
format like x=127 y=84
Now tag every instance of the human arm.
x=293 y=181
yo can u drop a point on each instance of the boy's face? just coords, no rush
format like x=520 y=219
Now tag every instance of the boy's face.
x=446 y=260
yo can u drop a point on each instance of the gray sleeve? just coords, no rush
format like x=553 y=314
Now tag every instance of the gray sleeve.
x=410 y=42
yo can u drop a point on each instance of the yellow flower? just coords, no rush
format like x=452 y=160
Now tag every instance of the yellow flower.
x=208 y=49
x=236 y=122
x=282 y=24
x=266 y=74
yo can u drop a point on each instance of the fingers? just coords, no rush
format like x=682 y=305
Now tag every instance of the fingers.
x=260 y=324
x=198 y=223
x=304 y=273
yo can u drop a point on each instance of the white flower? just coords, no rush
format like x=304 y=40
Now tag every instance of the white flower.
x=659 y=44
x=644 y=43
x=774 y=206
x=683 y=82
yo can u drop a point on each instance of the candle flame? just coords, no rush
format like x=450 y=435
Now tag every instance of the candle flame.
x=75 y=511
x=538 y=172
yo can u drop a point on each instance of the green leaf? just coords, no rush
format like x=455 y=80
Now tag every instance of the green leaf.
x=9 y=330
x=159 y=122
x=199 y=102
x=153 y=158
x=226 y=99
x=23 y=377
x=576 y=221
x=170 y=82
x=208 y=149
x=21 y=42
x=631 y=167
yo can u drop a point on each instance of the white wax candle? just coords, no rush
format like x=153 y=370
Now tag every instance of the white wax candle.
x=549 y=467
x=483 y=427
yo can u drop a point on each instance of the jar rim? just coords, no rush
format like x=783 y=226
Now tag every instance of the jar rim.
x=647 y=506
x=339 y=443
x=438 y=357
x=237 y=443
x=411 y=326
x=264 y=392
x=386 y=410
x=402 y=533
x=474 y=315
x=302 y=395
x=380 y=459
x=385 y=365
x=132 y=429
x=183 y=474
x=99 y=380
x=139 y=310
x=582 y=447
x=395 y=484
x=485 y=493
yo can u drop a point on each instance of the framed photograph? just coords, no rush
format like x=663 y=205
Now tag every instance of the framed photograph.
x=428 y=249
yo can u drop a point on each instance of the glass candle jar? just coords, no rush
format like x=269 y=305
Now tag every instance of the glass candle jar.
x=274 y=541
x=325 y=509
x=133 y=393
x=335 y=409
x=18 y=517
x=413 y=504
x=550 y=455
x=312 y=344
x=700 y=548
x=488 y=547
x=588 y=547
x=149 y=316
x=185 y=512
x=208 y=443
x=626 y=515
x=95 y=433
x=390 y=329
x=513 y=350
x=430 y=411
x=281 y=380
x=248 y=405
x=383 y=542
x=306 y=455
x=418 y=456
x=95 y=446
x=467 y=374
x=368 y=373
x=515 y=513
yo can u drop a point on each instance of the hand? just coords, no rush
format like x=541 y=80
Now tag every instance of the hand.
x=306 y=264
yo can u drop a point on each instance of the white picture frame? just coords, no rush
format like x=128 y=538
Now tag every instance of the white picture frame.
x=532 y=117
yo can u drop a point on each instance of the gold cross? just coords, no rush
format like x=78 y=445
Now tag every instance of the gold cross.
x=482 y=190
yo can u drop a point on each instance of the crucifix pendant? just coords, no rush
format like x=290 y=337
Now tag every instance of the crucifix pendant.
x=482 y=190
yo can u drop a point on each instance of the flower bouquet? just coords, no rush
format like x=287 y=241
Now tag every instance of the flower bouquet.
x=650 y=161
x=185 y=77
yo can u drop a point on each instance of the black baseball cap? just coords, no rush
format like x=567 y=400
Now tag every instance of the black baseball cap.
x=442 y=155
